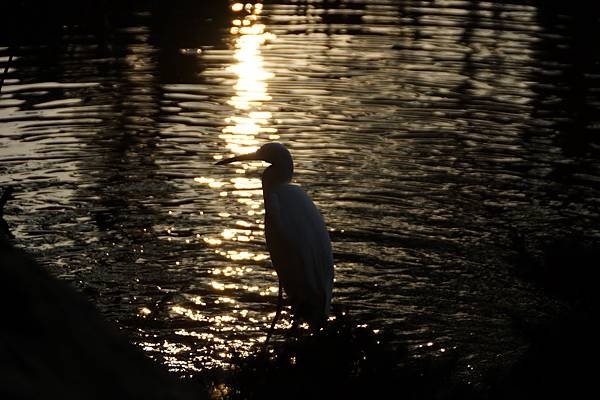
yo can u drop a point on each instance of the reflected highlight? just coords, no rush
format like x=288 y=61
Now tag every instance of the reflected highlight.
x=251 y=89
x=246 y=126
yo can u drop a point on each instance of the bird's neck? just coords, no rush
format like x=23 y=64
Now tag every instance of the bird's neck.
x=277 y=174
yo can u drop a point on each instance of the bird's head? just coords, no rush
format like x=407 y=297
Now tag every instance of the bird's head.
x=282 y=165
x=273 y=153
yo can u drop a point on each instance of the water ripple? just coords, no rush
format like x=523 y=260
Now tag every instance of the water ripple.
x=429 y=134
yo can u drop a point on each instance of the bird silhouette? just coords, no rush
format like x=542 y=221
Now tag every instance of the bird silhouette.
x=296 y=237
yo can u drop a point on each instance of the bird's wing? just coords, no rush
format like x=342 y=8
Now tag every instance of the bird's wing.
x=300 y=249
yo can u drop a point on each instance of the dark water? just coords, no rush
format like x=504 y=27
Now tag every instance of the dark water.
x=437 y=138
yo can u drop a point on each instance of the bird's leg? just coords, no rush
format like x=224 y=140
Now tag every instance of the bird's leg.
x=295 y=323
x=277 y=314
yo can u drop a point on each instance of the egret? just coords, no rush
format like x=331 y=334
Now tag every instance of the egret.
x=296 y=237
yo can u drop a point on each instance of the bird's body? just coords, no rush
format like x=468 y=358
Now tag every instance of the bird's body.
x=296 y=237
x=300 y=250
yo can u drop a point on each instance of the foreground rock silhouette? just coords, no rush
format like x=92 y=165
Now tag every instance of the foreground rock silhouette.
x=54 y=345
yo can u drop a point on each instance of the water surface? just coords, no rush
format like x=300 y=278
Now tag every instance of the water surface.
x=436 y=137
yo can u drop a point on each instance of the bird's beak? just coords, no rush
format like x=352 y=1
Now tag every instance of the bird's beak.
x=243 y=157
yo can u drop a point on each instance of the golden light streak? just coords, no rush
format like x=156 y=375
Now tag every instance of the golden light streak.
x=248 y=125
x=251 y=89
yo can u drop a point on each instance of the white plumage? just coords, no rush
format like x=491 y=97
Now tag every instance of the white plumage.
x=296 y=236
x=300 y=250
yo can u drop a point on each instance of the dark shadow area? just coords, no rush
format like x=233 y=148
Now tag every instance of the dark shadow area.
x=562 y=261
x=573 y=66
x=54 y=345
x=559 y=362
x=564 y=267
x=5 y=233
x=180 y=32
x=342 y=361
x=32 y=22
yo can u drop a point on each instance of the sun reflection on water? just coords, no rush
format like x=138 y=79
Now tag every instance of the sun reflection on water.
x=251 y=89
x=240 y=241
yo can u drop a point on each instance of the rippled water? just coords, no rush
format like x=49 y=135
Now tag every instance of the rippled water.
x=433 y=135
